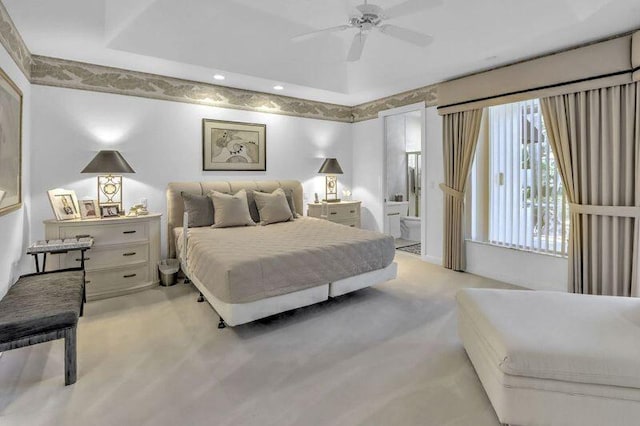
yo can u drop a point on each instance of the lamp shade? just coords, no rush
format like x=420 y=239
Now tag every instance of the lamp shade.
x=330 y=167
x=108 y=162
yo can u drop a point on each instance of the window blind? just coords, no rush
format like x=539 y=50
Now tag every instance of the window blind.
x=527 y=205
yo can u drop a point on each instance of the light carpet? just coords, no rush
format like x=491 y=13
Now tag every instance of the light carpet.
x=387 y=355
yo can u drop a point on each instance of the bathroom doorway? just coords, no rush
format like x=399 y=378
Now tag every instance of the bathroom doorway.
x=404 y=139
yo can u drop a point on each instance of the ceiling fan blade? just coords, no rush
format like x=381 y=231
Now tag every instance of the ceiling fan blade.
x=369 y=8
x=312 y=34
x=410 y=7
x=406 y=34
x=355 y=51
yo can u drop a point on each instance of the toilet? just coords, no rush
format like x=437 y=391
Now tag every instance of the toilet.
x=410 y=228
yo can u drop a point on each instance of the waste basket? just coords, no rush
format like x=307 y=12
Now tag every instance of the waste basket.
x=168 y=271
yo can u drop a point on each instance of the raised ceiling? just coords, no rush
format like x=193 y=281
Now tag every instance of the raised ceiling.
x=249 y=41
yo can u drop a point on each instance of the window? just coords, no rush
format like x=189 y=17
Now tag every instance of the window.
x=526 y=207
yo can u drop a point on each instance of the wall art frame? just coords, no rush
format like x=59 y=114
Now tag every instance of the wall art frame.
x=233 y=146
x=10 y=144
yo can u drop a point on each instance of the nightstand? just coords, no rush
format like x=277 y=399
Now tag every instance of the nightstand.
x=124 y=256
x=345 y=212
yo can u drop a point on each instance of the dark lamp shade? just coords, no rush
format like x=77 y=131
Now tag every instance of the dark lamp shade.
x=330 y=167
x=108 y=162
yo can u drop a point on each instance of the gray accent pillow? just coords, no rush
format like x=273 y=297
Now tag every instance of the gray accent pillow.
x=253 y=208
x=230 y=210
x=289 y=194
x=273 y=207
x=200 y=209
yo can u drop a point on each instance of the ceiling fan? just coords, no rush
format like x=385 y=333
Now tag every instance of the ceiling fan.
x=371 y=17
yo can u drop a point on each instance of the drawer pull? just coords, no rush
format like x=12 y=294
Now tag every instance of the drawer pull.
x=393 y=214
x=80 y=260
x=129 y=275
x=352 y=211
x=82 y=236
x=128 y=232
x=131 y=253
x=87 y=281
x=334 y=213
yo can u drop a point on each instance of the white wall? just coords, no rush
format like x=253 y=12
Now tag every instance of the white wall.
x=368 y=146
x=14 y=226
x=531 y=270
x=434 y=175
x=163 y=142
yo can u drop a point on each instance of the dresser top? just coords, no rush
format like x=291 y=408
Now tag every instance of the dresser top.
x=341 y=203
x=119 y=219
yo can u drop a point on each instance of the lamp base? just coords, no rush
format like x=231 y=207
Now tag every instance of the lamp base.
x=333 y=200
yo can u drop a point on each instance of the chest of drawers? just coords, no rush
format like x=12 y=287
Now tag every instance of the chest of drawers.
x=345 y=212
x=124 y=256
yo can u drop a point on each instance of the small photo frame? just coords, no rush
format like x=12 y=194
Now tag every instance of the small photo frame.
x=109 y=210
x=64 y=204
x=89 y=209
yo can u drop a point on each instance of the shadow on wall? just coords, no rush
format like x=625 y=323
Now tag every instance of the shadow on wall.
x=368 y=220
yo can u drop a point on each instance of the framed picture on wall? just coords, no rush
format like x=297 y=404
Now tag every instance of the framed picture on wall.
x=10 y=145
x=64 y=204
x=89 y=209
x=230 y=145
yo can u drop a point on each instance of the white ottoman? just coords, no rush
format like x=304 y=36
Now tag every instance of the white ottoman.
x=548 y=358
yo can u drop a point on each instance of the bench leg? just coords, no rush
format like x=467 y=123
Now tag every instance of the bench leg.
x=70 y=367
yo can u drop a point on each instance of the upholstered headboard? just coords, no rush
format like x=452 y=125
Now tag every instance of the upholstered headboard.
x=175 y=206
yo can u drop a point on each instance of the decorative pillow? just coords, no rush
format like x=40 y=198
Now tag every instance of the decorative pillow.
x=200 y=209
x=230 y=210
x=273 y=207
x=289 y=194
x=253 y=208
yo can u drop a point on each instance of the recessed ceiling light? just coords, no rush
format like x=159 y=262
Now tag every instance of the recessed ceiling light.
x=218 y=77
x=278 y=87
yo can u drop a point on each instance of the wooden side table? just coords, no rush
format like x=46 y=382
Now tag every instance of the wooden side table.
x=345 y=212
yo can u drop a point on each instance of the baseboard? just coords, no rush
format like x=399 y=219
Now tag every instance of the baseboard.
x=432 y=259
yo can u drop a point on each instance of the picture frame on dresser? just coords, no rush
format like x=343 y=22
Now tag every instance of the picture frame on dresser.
x=64 y=204
x=109 y=210
x=233 y=146
x=10 y=145
x=89 y=209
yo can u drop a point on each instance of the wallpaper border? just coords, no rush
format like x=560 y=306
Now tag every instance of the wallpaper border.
x=13 y=42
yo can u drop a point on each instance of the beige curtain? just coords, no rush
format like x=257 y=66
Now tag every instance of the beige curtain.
x=460 y=138
x=595 y=136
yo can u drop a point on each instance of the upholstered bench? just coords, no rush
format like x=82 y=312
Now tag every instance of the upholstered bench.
x=43 y=307
x=549 y=358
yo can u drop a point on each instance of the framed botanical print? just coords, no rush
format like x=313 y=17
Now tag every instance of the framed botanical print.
x=64 y=204
x=230 y=145
x=10 y=145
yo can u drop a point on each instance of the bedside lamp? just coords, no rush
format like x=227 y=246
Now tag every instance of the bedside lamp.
x=331 y=168
x=109 y=186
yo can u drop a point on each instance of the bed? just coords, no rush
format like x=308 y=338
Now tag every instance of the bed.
x=248 y=273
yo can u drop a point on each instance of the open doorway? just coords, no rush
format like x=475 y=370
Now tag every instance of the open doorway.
x=404 y=142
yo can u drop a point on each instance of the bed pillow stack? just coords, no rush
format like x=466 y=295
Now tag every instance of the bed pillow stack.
x=230 y=210
x=200 y=209
x=273 y=208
